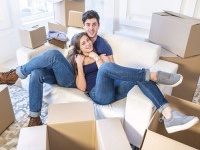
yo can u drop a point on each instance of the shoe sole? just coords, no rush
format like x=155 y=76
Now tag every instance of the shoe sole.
x=174 y=85
x=183 y=127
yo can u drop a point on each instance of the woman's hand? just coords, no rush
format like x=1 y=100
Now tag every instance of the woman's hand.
x=79 y=59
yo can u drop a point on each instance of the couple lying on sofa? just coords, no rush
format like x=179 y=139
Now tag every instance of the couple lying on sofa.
x=90 y=67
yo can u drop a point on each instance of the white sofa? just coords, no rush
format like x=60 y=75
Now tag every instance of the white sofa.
x=136 y=110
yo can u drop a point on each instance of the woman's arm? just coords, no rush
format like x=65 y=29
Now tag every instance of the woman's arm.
x=80 y=78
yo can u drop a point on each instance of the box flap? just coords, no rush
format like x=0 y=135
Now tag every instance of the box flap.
x=31 y=28
x=156 y=141
x=110 y=135
x=70 y=112
x=32 y=138
x=185 y=18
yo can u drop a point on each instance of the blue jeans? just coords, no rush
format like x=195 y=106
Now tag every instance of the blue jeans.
x=114 y=82
x=50 y=67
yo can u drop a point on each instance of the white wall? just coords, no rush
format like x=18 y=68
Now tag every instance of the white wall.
x=9 y=37
x=125 y=17
x=133 y=17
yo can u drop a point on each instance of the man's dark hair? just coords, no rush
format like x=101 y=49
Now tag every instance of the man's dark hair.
x=90 y=14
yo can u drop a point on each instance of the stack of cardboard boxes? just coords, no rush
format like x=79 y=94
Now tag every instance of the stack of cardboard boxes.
x=179 y=35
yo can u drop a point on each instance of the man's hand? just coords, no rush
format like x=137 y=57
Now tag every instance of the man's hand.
x=93 y=55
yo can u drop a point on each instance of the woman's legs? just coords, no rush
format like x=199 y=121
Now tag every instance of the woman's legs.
x=112 y=78
x=104 y=91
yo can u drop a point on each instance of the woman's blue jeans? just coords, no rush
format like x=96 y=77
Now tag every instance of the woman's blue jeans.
x=114 y=82
x=50 y=67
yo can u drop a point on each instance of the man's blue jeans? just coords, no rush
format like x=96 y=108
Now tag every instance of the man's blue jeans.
x=50 y=67
x=114 y=82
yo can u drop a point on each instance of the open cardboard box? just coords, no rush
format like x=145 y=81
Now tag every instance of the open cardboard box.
x=32 y=37
x=157 y=138
x=72 y=126
x=177 y=33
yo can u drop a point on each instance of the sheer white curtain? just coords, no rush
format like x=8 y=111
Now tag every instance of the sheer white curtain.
x=4 y=15
x=9 y=25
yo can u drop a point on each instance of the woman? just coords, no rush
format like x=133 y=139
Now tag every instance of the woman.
x=107 y=82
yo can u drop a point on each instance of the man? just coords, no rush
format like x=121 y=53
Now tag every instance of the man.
x=91 y=26
x=51 y=67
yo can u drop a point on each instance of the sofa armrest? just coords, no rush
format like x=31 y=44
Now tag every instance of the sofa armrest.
x=24 y=54
x=139 y=108
x=167 y=67
x=138 y=113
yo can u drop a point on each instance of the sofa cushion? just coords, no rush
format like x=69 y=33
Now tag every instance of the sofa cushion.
x=57 y=94
x=132 y=53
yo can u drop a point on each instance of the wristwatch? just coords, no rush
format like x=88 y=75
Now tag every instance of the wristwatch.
x=96 y=58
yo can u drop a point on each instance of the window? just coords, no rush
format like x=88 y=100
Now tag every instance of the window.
x=4 y=15
x=35 y=9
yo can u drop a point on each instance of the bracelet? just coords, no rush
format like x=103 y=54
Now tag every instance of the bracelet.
x=96 y=58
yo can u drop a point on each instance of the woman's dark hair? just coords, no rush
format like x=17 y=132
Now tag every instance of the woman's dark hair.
x=90 y=14
x=76 y=50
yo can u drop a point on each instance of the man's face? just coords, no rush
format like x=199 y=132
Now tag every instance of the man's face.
x=91 y=26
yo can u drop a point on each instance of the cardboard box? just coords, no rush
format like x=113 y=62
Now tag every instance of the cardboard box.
x=157 y=138
x=75 y=19
x=111 y=135
x=72 y=126
x=190 y=70
x=175 y=32
x=58 y=43
x=6 y=110
x=61 y=10
x=56 y=26
x=33 y=37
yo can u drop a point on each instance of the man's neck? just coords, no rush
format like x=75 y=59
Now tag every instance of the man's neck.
x=94 y=39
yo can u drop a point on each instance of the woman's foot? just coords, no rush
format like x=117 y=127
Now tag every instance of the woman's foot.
x=34 y=121
x=168 y=79
x=179 y=122
x=9 y=77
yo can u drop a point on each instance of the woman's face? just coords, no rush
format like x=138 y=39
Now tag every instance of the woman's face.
x=86 y=45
